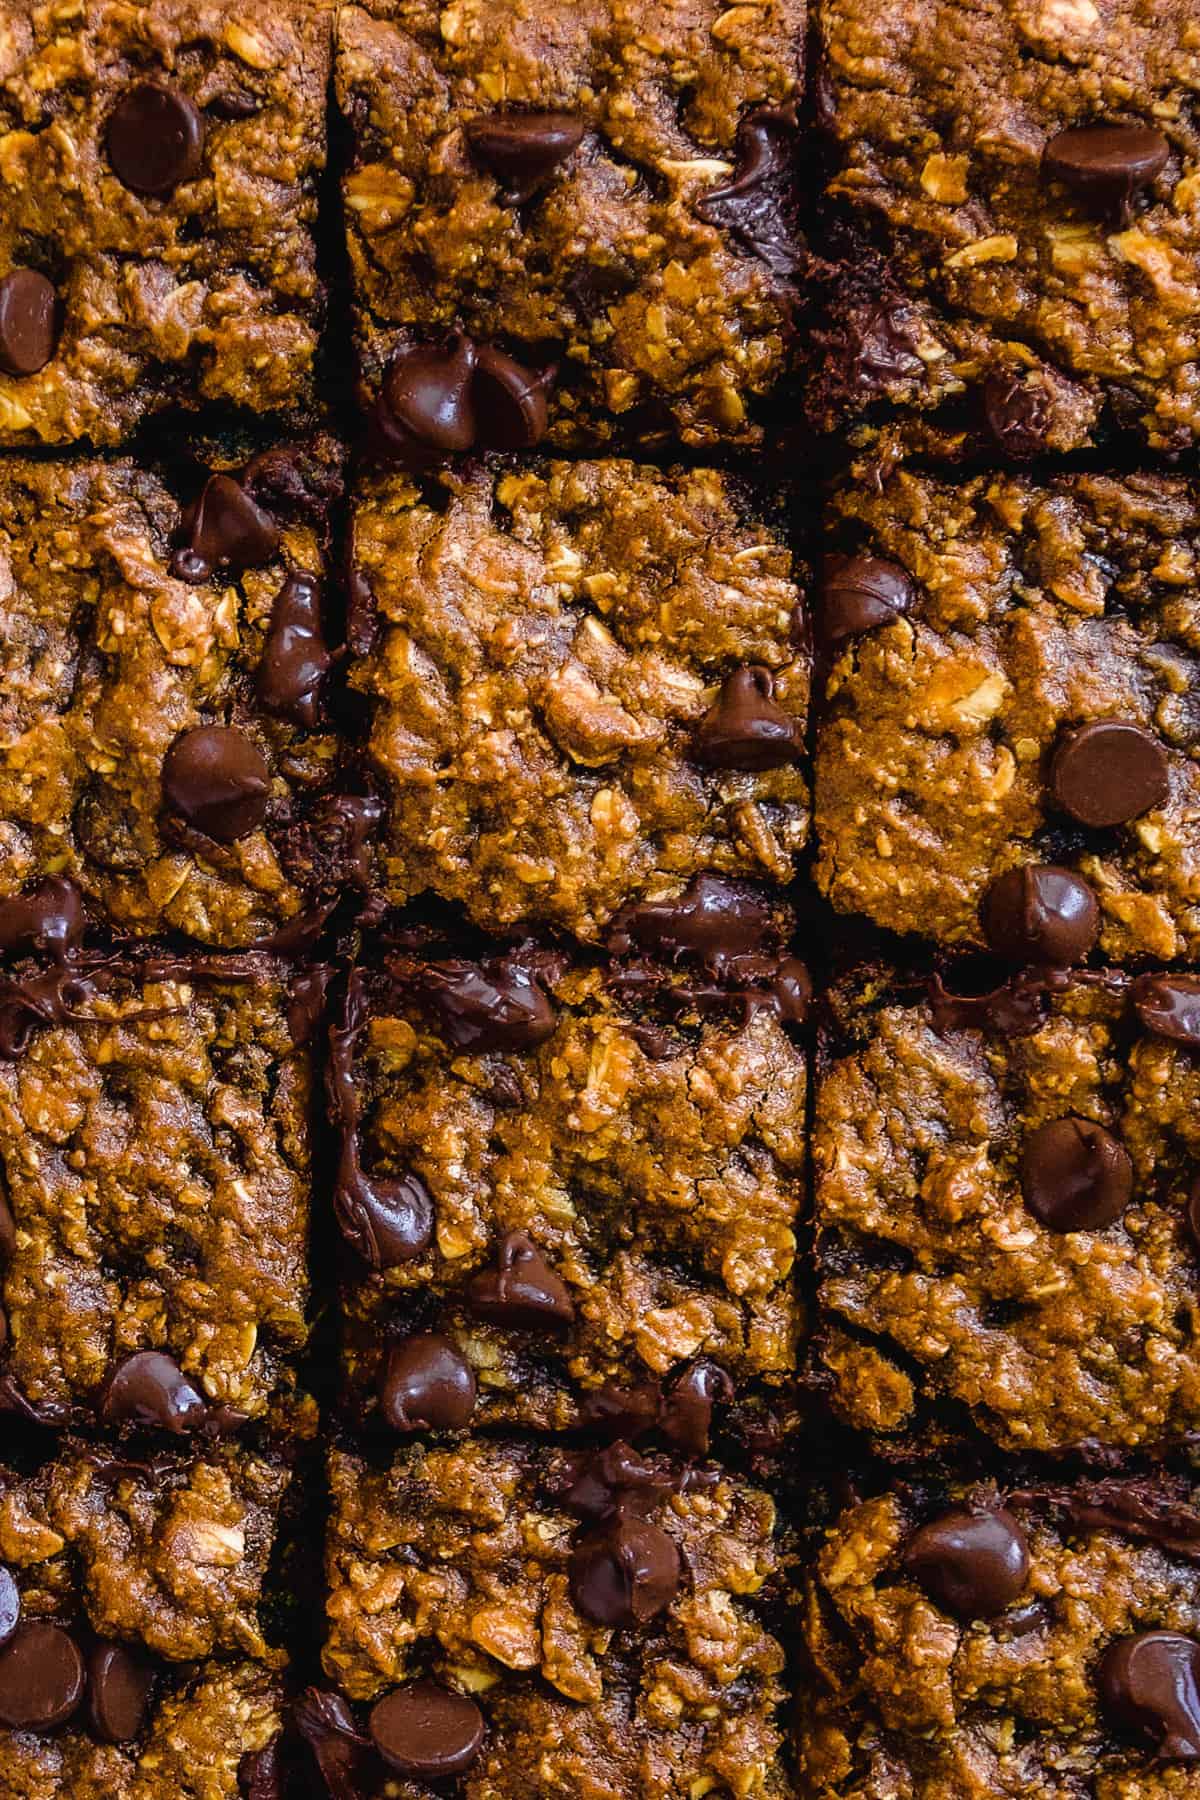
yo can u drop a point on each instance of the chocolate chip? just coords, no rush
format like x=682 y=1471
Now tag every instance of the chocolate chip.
x=1169 y=1006
x=41 y=1677
x=224 y=528
x=861 y=592
x=1109 y=772
x=625 y=1573
x=790 y=990
x=972 y=1562
x=233 y=105
x=1151 y=1683
x=326 y=1725
x=758 y=205
x=155 y=138
x=1041 y=913
x=1106 y=164
x=686 y=1409
x=217 y=781
x=29 y=314
x=424 y=1730
x=522 y=149
x=49 y=920
x=745 y=729
x=428 y=1385
x=522 y=1292
x=426 y=406
x=1015 y=411
x=260 y=1773
x=10 y=1604
x=119 y=1688
x=712 y=920
x=510 y=402
x=1075 y=1176
x=495 y=1005
x=151 y=1390
x=387 y=1220
x=295 y=659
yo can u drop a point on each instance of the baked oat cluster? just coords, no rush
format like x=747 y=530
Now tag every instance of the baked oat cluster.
x=599 y=900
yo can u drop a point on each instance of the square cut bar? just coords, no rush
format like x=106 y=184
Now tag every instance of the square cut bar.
x=485 y=1576
x=582 y=1182
x=158 y=167
x=1011 y=686
x=1012 y=217
x=572 y=223
x=154 y=1189
x=1042 y=1640
x=134 y=1665
x=162 y=748
x=1007 y=1224
x=589 y=682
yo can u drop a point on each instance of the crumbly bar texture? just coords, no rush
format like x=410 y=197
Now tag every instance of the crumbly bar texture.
x=108 y=658
x=1020 y=610
x=574 y=671
x=652 y=1159
x=168 y=1554
x=155 y=1158
x=204 y=290
x=1023 y=1696
x=1055 y=282
x=977 y=1276
x=657 y=304
x=206 y=1732
x=457 y=1563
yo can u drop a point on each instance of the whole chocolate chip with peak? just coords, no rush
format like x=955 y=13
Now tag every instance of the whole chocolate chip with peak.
x=10 y=1605
x=1015 y=412
x=426 y=1731
x=1169 y=1006
x=686 y=1408
x=510 y=402
x=1106 y=163
x=1075 y=1176
x=426 y=405
x=155 y=138
x=495 y=1005
x=41 y=1677
x=48 y=920
x=972 y=1561
x=428 y=1385
x=712 y=920
x=625 y=1573
x=388 y=1220
x=1109 y=772
x=522 y=1292
x=29 y=314
x=119 y=1688
x=745 y=729
x=522 y=149
x=859 y=593
x=216 y=780
x=295 y=658
x=1151 y=1683
x=224 y=527
x=1041 y=914
x=151 y=1389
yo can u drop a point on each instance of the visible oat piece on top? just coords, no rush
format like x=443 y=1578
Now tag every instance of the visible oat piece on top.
x=1042 y=1640
x=589 y=682
x=1011 y=217
x=592 y=1622
x=159 y=169
x=154 y=1199
x=1011 y=686
x=1007 y=1228
x=163 y=746
x=581 y=1180
x=596 y=203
